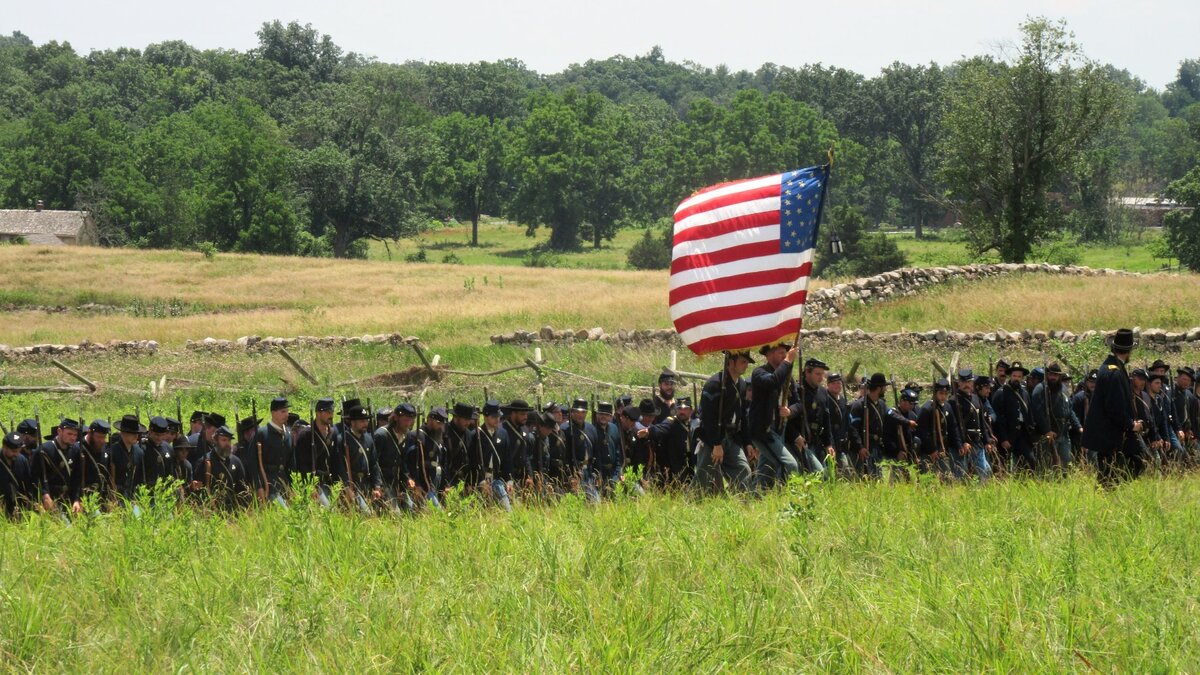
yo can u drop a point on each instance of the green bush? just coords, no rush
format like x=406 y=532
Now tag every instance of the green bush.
x=207 y=249
x=541 y=257
x=419 y=257
x=452 y=259
x=652 y=251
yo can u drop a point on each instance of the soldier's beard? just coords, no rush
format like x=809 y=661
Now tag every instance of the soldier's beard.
x=435 y=435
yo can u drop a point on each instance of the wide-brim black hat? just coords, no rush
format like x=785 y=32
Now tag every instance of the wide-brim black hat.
x=1016 y=365
x=247 y=423
x=877 y=380
x=739 y=354
x=766 y=349
x=1187 y=371
x=1123 y=340
x=1054 y=368
x=463 y=410
x=516 y=405
x=356 y=413
x=129 y=424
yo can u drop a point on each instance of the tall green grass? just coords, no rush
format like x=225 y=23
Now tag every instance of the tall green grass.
x=1017 y=576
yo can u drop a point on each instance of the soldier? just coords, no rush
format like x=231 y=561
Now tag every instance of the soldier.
x=724 y=434
x=986 y=463
x=518 y=464
x=809 y=431
x=179 y=467
x=1015 y=426
x=206 y=440
x=938 y=430
x=148 y=464
x=222 y=476
x=487 y=460
x=356 y=464
x=121 y=453
x=195 y=426
x=273 y=456
x=315 y=447
x=52 y=466
x=579 y=440
x=865 y=426
x=460 y=440
x=664 y=399
x=424 y=454
x=608 y=454
x=638 y=453
x=247 y=429
x=1187 y=410
x=28 y=429
x=999 y=377
x=549 y=454
x=1054 y=417
x=1169 y=448
x=1148 y=438
x=1080 y=401
x=174 y=431
x=628 y=424
x=900 y=440
x=1110 y=426
x=837 y=415
x=92 y=465
x=675 y=457
x=390 y=446
x=972 y=429
x=16 y=478
x=769 y=414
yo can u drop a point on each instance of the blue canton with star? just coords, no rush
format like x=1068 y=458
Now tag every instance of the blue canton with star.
x=800 y=196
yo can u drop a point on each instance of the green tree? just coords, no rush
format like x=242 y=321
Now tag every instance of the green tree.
x=473 y=174
x=1013 y=129
x=365 y=158
x=1181 y=228
x=907 y=104
x=569 y=161
x=865 y=253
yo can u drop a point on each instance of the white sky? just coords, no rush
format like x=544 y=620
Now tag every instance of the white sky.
x=1149 y=38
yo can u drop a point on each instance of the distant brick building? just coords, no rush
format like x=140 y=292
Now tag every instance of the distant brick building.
x=43 y=227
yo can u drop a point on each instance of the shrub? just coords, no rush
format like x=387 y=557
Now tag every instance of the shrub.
x=651 y=252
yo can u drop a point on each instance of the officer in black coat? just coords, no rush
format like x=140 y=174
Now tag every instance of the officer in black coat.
x=273 y=457
x=1110 y=428
x=1015 y=426
x=52 y=466
x=221 y=474
x=16 y=479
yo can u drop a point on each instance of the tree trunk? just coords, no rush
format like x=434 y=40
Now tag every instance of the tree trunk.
x=919 y=227
x=341 y=242
x=596 y=237
x=475 y=229
x=564 y=237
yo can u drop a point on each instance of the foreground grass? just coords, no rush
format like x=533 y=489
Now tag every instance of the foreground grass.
x=1015 y=576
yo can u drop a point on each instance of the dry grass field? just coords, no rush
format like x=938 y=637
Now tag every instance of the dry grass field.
x=179 y=296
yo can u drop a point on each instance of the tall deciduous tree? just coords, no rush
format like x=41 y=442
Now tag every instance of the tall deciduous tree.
x=1013 y=129
x=473 y=174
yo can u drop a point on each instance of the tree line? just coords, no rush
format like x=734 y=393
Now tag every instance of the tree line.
x=299 y=147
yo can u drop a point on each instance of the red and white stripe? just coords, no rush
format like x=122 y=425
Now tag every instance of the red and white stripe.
x=730 y=287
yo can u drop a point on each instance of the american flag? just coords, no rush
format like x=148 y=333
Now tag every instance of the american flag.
x=742 y=258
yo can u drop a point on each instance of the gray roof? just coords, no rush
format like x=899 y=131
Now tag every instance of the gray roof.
x=29 y=221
